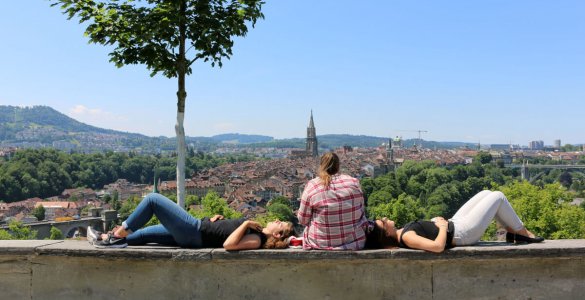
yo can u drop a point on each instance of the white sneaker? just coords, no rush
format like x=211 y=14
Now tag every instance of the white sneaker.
x=93 y=235
x=111 y=242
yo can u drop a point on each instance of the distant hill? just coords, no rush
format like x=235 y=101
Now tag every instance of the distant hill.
x=15 y=119
x=340 y=140
x=42 y=126
x=236 y=138
x=333 y=141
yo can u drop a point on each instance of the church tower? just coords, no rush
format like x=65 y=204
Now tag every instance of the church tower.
x=311 y=139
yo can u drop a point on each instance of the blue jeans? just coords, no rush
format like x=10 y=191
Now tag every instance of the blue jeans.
x=177 y=226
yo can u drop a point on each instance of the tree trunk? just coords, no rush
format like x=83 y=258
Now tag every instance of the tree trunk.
x=181 y=96
x=180 y=153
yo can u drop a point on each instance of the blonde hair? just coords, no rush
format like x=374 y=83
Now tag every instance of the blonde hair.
x=328 y=167
x=279 y=243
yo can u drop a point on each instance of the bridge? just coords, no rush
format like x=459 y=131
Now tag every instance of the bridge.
x=526 y=176
x=546 y=166
x=73 y=227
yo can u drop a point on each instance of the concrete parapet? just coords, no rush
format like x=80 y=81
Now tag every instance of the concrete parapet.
x=109 y=218
x=76 y=270
x=95 y=212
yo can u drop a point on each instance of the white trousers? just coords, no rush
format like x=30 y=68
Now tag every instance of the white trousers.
x=474 y=217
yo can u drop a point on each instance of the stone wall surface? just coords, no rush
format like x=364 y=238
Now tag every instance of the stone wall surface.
x=76 y=270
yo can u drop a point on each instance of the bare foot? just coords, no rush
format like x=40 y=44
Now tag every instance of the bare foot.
x=525 y=232
x=120 y=232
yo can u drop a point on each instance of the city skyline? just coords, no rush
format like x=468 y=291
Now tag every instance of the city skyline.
x=494 y=73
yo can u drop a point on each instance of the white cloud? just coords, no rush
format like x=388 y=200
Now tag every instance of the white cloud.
x=80 y=110
x=97 y=117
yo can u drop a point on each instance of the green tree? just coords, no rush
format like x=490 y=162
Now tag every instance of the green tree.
x=546 y=210
x=157 y=34
x=115 y=201
x=483 y=158
x=280 y=200
x=281 y=212
x=128 y=207
x=214 y=205
x=566 y=179
x=402 y=210
x=379 y=197
x=20 y=232
x=56 y=234
x=107 y=198
x=39 y=212
x=368 y=186
x=192 y=200
x=5 y=235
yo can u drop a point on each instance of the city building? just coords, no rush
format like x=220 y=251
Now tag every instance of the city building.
x=396 y=143
x=57 y=209
x=312 y=146
x=536 y=145
x=503 y=147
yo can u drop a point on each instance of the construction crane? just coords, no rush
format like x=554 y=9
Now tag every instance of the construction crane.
x=419 y=135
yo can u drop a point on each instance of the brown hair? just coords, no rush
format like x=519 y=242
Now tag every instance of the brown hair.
x=279 y=243
x=329 y=166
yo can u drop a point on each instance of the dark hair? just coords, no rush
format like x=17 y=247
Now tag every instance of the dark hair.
x=329 y=166
x=376 y=238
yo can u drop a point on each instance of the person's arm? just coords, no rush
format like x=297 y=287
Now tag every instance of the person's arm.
x=305 y=211
x=239 y=240
x=415 y=241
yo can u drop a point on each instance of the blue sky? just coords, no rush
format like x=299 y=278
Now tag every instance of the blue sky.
x=495 y=71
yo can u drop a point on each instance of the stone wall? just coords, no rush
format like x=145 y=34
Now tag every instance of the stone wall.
x=76 y=270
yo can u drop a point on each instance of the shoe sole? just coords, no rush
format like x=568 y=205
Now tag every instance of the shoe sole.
x=111 y=246
x=111 y=242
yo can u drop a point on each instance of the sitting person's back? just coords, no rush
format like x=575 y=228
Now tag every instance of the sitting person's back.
x=332 y=209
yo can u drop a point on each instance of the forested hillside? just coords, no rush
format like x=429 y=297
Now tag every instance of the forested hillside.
x=16 y=119
x=47 y=172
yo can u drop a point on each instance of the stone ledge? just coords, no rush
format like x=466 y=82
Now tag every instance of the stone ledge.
x=76 y=270
x=485 y=250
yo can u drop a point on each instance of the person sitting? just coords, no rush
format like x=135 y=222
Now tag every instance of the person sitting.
x=178 y=228
x=465 y=228
x=332 y=209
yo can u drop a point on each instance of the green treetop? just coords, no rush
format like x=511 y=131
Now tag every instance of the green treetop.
x=160 y=34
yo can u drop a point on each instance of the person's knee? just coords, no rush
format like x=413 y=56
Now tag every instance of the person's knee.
x=483 y=193
x=155 y=198
x=152 y=196
x=499 y=195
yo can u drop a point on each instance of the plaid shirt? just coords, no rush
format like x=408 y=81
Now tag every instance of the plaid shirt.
x=334 y=217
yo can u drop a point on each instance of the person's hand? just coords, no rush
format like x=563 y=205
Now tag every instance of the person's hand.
x=254 y=225
x=216 y=217
x=440 y=222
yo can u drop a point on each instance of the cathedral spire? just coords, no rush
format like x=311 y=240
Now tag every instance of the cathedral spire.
x=312 y=148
